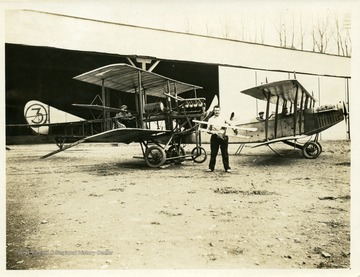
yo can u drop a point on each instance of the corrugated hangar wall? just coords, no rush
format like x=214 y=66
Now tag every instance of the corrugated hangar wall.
x=241 y=65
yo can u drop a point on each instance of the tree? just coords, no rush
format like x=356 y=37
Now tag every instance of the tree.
x=342 y=37
x=225 y=27
x=321 y=34
x=302 y=33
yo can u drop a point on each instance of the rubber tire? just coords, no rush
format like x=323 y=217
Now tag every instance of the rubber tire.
x=155 y=156
x=320 y=146
x=195 y=155
x=311 y=150
x=172 y=153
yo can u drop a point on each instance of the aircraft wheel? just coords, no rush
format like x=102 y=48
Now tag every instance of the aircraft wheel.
x=311 y=150
x=320 y=146
x=155 y=156
x=172 y=152
x=198 y=154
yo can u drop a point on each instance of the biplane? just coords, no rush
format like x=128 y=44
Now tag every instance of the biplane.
x=290 y=115
x=161 y=121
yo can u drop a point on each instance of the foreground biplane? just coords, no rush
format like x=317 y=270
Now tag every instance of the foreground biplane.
x=290 y=116
x=160 y=126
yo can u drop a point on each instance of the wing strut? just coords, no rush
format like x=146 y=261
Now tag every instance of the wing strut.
x=267 y=117
x=141 y=101
x=295 y=109
x=301 y=112
x=276 y=116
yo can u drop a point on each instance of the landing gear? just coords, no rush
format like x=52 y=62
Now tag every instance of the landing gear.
x=311 y=149
x=156 y=155
x=157 y=152
x=176 y=151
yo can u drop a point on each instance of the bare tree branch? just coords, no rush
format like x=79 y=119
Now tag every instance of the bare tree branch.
x=302 y=34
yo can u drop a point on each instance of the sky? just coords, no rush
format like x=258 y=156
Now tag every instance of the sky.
x=254 y=21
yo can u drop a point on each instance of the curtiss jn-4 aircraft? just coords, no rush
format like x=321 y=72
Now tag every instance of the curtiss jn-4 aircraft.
x=161 y=122
x=290 y=115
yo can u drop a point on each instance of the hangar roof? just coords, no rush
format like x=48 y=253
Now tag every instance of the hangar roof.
x=27 y=27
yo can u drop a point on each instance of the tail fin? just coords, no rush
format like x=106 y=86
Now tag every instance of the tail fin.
x=214 y=102
x=39 y=116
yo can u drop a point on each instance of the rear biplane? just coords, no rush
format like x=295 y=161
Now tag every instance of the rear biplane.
x=161 y=121
x=290 y=115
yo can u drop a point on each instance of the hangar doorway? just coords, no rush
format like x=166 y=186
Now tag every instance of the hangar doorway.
x=46 y=74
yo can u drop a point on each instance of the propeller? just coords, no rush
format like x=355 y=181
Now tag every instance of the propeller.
x=231 y=118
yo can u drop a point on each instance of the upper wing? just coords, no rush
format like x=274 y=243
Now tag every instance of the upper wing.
x=99 y=108
x=125 y=78
x=125 y=135
x=285 y=90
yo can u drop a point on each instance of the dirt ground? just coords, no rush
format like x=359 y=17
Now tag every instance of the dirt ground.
x=96 y=207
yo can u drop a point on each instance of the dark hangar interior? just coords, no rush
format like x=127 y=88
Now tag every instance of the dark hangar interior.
x=46 y=74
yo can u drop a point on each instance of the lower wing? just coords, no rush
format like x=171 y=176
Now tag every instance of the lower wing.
x=125 y=135
x=279 y=140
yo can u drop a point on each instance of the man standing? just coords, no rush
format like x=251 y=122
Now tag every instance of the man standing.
x=218 y=139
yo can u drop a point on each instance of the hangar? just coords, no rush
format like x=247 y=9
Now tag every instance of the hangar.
x=44 y=51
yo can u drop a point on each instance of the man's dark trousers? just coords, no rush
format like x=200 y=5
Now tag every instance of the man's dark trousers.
x=215 y=143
